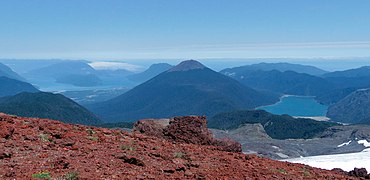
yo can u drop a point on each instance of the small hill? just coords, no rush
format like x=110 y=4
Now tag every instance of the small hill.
x=275 y=66
x=47 y=105
x=49 y=149
x=276 y=126
x=287 y=82
x=9 y=87
x=151 y=72
x=187 y=89
x=9 y=73
x=354 y=108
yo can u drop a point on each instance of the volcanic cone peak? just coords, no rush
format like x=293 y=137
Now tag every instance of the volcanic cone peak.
x=187 y=65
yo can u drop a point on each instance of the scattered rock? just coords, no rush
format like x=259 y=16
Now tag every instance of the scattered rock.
x=4 y=155
x=131 y=160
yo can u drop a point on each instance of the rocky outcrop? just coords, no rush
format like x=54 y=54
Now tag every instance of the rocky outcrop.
x=185 y=129
x=42 y=148
x=151 y=127
x=356 y=172
x=359 y=172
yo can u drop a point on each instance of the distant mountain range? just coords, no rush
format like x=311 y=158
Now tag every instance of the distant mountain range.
x=9 y=73
x=357 y=72
x=353 y=78
x=47 y=105
x=9 y=87
x=275 y=66
x=77 y=73
x=186 y=89
x=354 y=108
x=151 y=72
x=287 y=82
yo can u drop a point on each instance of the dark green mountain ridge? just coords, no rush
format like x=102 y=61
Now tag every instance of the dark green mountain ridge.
x=47 y=105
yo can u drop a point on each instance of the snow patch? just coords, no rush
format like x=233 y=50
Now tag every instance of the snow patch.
x=229 y=74
x=282 y=155
x=364 y=142
x=346 y=162
x=344 y=144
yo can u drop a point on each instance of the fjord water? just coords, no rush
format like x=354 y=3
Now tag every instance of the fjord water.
x=297 y=106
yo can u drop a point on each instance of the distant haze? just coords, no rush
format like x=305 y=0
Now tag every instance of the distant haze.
x=191 y=29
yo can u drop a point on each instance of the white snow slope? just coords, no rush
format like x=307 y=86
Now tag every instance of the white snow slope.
x=346 y=162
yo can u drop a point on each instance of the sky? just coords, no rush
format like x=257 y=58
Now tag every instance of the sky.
x=184 y=29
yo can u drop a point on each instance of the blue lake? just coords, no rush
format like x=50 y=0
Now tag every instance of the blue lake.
x=297 y=106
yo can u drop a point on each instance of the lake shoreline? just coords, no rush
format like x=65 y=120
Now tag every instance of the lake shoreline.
x=298 y=106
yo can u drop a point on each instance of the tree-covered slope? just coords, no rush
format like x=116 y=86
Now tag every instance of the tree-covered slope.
x=354 y=108
x=47 y=105
x=276 y=126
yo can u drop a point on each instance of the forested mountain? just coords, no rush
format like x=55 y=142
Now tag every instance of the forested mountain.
x=47 y=105
x=187 y=89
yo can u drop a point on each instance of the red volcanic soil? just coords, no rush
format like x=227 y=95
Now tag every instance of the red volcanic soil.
x=30 y=147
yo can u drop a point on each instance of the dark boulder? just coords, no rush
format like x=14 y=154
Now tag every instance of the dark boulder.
x=359 y=172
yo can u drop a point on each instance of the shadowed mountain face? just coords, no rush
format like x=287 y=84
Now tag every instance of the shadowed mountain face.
x=151 y=72
x=47 y=105
x=9 y=87
x=354 y=108
x=187 y=89
x=275 y=66
x=9 y=73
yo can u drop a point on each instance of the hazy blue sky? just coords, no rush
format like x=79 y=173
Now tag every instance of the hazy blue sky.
x=125 y=29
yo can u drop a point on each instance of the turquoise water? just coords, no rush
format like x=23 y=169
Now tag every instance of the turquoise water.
x=297 y=106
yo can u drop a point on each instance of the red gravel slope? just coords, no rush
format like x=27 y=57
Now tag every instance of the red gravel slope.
x=30 y=147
